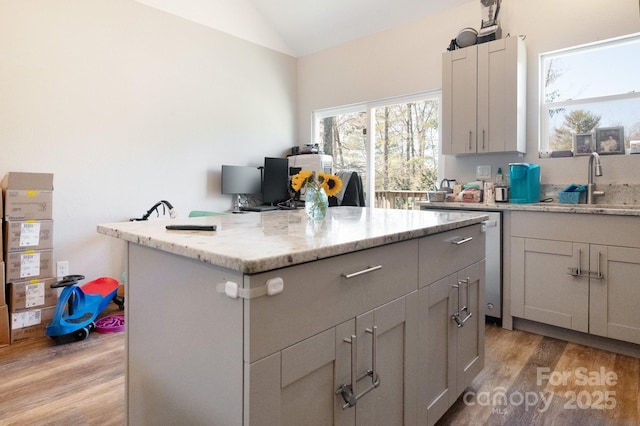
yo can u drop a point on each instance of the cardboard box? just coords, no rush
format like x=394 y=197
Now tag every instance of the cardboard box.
x=28 y=204
x=2 y=299
x=25 y=295
x=27 y=196
x=21 y=235
x=4 y=325
x=29 y=325
x=22 y=180
x=29 y=265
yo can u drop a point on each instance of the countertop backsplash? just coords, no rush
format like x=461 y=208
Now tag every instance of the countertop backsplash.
x=616 y=194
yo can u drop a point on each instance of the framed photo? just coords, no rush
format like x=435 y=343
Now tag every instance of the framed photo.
x=610 y=140
x=582 y=144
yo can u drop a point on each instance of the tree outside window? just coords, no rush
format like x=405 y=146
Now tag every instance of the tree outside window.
x=587 y=87
x=404 y=146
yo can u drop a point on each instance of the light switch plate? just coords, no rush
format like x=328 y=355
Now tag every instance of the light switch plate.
x=483 y=172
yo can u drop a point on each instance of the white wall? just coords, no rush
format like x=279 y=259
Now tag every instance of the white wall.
x=408 y=59
x=128 y=105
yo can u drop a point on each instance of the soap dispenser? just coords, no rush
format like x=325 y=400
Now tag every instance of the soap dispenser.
x=501 y=189
x=500 y=178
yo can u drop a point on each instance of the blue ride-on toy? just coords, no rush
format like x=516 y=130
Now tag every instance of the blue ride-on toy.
x=79 y=306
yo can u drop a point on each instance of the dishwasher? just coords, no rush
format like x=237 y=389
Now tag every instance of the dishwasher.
x=493 y=261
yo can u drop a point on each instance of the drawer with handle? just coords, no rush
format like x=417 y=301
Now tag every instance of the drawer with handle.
x=318 y=295
x=448 y=252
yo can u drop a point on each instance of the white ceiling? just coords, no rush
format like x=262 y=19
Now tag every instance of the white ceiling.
x=301 y=27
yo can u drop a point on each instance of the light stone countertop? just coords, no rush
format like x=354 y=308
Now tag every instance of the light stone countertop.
x=619 y=200
x=599 y=209
x=258 y=242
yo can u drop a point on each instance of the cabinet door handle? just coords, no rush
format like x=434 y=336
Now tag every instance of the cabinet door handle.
x=483 y=139
x=364 y=271
x=579 y=261
x=579 y=273
x=470 y=134
x=456 y=316
x=462 y=241
x=348 y=390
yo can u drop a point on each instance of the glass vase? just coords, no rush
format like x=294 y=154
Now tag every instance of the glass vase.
x=316 y=203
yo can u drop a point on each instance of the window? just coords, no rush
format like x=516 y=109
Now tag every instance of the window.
x=589 y=87
x=398 y=160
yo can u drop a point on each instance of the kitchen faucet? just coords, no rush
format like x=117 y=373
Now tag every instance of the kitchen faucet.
x=591 y=186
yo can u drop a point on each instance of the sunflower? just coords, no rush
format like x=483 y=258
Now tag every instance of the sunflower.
x=300 y=180
x=331 y=183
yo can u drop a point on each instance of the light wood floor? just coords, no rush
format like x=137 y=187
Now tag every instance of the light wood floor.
x=82 y=383
x=521 y=365
x=78 y=383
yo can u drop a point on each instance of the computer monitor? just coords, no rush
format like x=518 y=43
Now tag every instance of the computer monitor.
x=241 y=180
x=275 y=182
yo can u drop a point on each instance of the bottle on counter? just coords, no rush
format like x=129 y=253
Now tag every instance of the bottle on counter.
x=489 y=193
x=500 y=178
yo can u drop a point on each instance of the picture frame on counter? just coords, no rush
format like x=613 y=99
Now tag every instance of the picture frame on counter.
x=610 y=140
x=582 y=144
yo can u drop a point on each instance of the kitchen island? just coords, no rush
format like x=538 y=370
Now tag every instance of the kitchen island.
x=370 y=316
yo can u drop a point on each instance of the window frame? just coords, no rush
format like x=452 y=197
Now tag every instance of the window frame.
x=544 y=132
x=369 y=107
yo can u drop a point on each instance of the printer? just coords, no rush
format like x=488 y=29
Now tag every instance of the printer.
x=313 y=162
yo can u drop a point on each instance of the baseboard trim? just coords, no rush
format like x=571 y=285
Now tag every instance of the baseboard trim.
x=611 y=345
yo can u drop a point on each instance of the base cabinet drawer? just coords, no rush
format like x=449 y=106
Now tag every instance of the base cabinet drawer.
x=444 y=254
x=319 y=294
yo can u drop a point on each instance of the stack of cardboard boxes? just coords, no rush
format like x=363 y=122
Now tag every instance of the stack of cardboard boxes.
x=4 y=311
x=28 y=253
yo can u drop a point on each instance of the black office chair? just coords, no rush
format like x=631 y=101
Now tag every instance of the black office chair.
x=352 y=193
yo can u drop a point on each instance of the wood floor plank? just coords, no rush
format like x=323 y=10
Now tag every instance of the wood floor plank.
x=525 y=398
x=554 y=357
x=627 y=390
x=77 y=383
x=502 y=366
x=82 y=383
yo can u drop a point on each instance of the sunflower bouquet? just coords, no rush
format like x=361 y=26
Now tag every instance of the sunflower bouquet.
x=307 y=178
x=317 y=187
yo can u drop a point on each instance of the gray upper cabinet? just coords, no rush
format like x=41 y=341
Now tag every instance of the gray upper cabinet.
x=484 y=98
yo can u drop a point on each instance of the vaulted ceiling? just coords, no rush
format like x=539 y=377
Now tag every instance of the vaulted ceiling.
x=301 y=27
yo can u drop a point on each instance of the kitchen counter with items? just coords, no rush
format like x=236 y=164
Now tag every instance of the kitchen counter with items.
x=619 y=200
x=554 y=207
x=251 y=243
x=371 y=316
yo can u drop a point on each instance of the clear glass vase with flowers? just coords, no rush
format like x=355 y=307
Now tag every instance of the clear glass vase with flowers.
x=316 y=188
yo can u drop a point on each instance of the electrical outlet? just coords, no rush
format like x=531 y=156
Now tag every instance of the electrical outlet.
x=483 y=172
x=62 y=268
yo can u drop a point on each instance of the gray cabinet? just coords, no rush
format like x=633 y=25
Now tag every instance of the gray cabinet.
x=542 y=289
x=451 y=351
x=567 y=273
x=459 y=101
x=301 y=384
x=451 y=318
x=344 y=343
x=613 y=303
x=360 y=310
x=483 y=98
